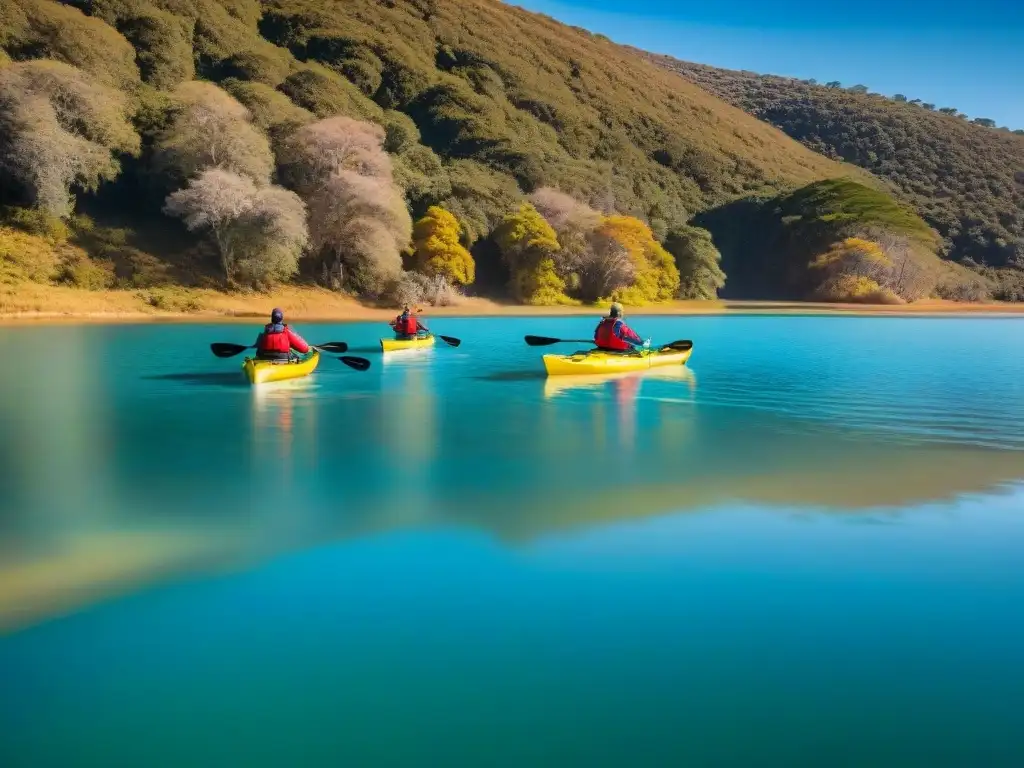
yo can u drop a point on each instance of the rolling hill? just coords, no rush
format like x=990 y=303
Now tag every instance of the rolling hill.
x=965 y=179
x=480 y=104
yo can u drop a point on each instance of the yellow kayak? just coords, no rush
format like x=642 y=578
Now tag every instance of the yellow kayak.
x=264 y=371
x=393 y=345
x=597 y=362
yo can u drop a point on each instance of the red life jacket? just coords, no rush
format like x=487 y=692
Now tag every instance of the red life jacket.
x=275 y=338
x=605 y=336
x=407 y=326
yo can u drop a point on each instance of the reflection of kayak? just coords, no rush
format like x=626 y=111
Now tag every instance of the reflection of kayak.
x=393 y=345
x=596 y=362
x=264 y=371
x=563 y=385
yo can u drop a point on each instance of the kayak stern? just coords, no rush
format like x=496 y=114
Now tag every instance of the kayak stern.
x=393 y=345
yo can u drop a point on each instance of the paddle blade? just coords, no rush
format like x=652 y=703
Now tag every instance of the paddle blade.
x=335 y=347
x=679 y=346
x=221 y=349
x=359 y=363
x=451 y=341
x=544 y=341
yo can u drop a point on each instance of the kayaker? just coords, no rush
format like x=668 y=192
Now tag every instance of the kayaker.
x=613 y=335
x=407 y=325
x=277 y=340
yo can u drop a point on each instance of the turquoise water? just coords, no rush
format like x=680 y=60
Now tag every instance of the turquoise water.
x=807 y=548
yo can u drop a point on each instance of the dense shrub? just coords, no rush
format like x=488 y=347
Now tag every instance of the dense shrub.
x=59 y=131
x=210 y=129
x=414 y=288
x=43 y=29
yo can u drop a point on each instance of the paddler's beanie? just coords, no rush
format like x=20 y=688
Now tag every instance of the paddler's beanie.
x=616 y=310
x=276 y=316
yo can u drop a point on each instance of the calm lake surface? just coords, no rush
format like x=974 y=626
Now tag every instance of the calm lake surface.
x=806 y=549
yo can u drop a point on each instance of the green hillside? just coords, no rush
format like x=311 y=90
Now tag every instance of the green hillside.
x=966 y=178
x=479 y=105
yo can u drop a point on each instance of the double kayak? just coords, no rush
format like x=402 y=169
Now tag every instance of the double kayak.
x=595 y=361
x=393 y=345
x=265 y=371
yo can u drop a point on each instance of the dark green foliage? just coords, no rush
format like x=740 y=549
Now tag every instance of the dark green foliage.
x=35 y=221
x=271 y=110
x=698 y=259
x=480 y=197
x=163 y=46
x=35 y=29
x=766 y=243
x=958 y=175
x=325 y=93
x=269 y=66
x=400 y=131
x=418 y=171
x=839 y=204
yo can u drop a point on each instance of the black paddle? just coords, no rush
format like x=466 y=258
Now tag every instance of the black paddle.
x=544 y=341
x=679 y=346
x=451 y=341
x=222 y=349
x=359 y=363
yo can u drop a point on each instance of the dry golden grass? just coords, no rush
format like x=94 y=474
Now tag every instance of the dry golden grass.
x=50 y=303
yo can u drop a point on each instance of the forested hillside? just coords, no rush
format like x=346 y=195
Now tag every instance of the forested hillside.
x=404 y=149
x=965 y=178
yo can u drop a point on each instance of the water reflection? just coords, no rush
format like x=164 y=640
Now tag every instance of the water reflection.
x=120 y=471
x=409 y=434
x=56 y=441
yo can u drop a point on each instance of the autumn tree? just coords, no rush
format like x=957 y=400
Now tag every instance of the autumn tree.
x=360 y=226
x=528 y=246
x=60 y=130
x=437 y=249
x=656 y=275
x=697 y=258
x=317 y=151
x=606 y=268
x=210 y=129
x=358 y=221
x=853 y=270
x=575 y=224
x=259 y=231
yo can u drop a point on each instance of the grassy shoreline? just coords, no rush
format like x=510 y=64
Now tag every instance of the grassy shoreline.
x=58 y=304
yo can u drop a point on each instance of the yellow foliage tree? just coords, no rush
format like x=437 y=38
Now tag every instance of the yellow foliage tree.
x=854 y=270
x=657 y=277
x=854 y=255
x=528 y=245
x=437 y=250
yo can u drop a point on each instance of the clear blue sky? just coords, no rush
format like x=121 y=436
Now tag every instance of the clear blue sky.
x=954 y=53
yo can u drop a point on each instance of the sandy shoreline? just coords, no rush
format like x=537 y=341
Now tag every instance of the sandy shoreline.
x=317 y=305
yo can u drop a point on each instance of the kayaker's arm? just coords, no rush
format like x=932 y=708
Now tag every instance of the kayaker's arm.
x=627 y=334
x=298 y=343
x=421 y=327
